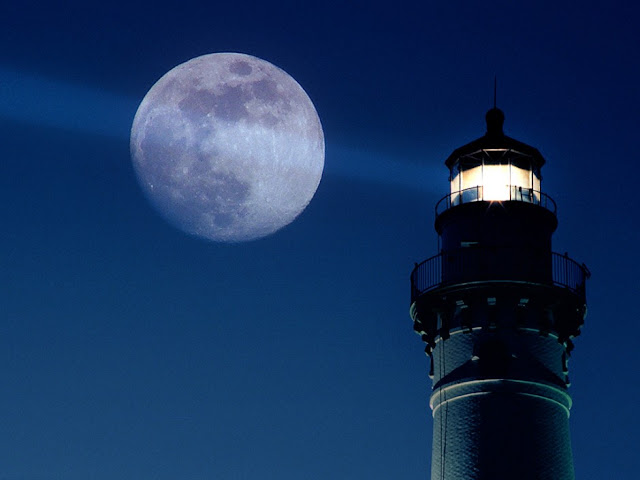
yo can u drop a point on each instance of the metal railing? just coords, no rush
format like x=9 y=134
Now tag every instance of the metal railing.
x=568 y=273
x=497 y=263
x=476 y=194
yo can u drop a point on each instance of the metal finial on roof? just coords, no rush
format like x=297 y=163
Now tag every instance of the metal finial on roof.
x=495 y=117
x=495 y=91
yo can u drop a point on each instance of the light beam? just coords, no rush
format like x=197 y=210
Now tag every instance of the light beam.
x=36 y=100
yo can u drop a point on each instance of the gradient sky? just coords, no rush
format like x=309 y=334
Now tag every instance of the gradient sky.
x=131 y=351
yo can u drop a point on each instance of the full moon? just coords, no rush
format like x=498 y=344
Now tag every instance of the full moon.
x=228 y=147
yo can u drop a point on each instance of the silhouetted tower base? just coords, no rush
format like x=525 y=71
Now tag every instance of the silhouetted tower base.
x=497 y=310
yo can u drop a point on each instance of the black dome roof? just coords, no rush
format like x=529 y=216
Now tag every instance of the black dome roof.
x=496 y=139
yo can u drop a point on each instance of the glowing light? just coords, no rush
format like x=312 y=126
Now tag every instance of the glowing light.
x=477 y=179
x=496 y=182
x=472 y=177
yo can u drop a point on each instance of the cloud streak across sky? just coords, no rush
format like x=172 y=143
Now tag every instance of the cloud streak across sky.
x=36 y=100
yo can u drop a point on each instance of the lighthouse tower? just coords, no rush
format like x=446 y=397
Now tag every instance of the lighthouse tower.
x=498 y=310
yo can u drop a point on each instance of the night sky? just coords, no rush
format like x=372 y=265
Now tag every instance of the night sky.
x=130 y=350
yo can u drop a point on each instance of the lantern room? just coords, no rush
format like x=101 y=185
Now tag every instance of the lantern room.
x=495 y=168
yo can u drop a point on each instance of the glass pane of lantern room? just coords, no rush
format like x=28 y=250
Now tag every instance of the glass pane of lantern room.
x=455 y=184
x=536 y=185
x=536 y=180
x=496 y=181
x=471 y=180
x=521 y=175
x=521 y=180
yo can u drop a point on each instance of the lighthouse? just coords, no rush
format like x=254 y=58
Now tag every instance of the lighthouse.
x=498 y=310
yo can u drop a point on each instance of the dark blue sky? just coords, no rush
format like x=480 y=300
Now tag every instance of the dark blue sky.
x=132 y=351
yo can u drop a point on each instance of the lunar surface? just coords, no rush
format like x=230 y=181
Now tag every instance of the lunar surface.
x=228 y=147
